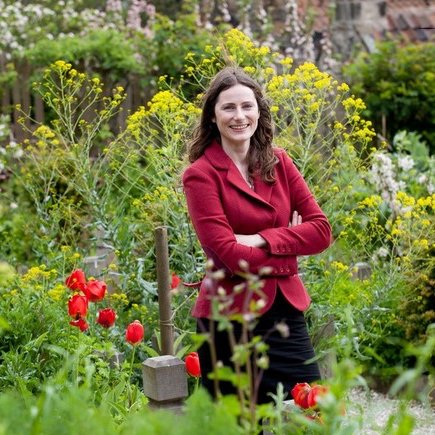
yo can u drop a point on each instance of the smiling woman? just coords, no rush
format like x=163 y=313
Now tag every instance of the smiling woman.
x=250 y=205
x=236 y=118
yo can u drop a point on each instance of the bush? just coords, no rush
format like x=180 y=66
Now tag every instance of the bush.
x=396 y=82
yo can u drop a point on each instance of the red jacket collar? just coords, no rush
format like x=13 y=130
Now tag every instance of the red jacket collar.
x=219 y=159
x=217 y=156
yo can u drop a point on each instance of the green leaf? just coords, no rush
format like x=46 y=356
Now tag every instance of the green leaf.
x=151 y=352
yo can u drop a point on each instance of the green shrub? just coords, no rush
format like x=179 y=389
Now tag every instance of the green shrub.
x=396 y=82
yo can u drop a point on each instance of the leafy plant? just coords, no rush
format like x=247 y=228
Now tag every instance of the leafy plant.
x=395 y=82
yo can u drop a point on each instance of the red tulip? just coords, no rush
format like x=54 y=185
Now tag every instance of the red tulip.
x=76 y=280
x=106 y=318
x=193 y=367
x=80 y=323
x=175 y=281
x=300 y=394
x=95 y=290
x=314 y=394
x=134 y=333
x=78 y=306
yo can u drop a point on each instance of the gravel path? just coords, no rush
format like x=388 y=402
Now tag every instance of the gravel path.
x=377 y=408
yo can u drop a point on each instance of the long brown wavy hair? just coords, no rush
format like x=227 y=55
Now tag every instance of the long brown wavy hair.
x=261 y=158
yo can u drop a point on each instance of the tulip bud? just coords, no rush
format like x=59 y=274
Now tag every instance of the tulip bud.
x=95 y=290
x=193 y=367
x=134 y=333
x=106 y=318
x=78 y=306
x=76 y=280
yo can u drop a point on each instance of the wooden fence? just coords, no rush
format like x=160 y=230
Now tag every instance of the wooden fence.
x=20 y=93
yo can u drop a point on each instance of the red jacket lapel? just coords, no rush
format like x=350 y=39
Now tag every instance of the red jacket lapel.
x=220 y=160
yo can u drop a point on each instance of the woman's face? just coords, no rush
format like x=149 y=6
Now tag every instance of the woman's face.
x=236 y=115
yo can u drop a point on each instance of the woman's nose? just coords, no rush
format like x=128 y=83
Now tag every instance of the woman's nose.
x=239 y=113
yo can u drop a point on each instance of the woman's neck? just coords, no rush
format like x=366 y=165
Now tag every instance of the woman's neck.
x=238 y=154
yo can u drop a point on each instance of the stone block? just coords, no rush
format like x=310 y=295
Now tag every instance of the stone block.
x=164 y=379
x=362 y=271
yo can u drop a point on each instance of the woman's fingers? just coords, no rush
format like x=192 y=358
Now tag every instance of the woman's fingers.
x=295 y=220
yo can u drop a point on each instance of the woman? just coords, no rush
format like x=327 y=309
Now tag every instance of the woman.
x=247 y=201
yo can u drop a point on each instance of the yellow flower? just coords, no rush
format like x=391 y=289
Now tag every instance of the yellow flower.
x=405 y=199
x=396 y=232
x=340 y=267
x=57 y=292
x=343 y=87
x=44 y=132
x=274 y=109
x=323 y=83
x=61 y=65
x=287 y=61
x=249 y=69
x=314 y=107
x=353 y=103
x=422 y=243
x=370 y=201
x=36 y=273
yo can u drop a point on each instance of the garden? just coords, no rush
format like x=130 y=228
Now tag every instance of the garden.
x=98 y=102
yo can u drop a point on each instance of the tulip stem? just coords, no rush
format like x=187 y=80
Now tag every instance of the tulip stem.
x=78 y=357
x=129 y=377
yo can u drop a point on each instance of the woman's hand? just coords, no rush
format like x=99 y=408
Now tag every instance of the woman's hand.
x=295 y=220
x=256 y=241
x=253 y=240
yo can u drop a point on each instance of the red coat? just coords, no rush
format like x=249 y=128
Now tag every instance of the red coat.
x=221 y=204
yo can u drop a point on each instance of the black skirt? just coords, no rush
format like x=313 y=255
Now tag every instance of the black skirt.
x=288 y=356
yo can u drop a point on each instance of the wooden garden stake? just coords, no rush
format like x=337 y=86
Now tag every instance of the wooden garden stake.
x=163 y=287
x=164 y=377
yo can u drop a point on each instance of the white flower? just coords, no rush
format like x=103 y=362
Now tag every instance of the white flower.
x=261 y=303
x=283 y=329
x=13 y=205
x=406 y=163
x=382 y=252
x=18 y=153
x=422 y=179
x=221 y=291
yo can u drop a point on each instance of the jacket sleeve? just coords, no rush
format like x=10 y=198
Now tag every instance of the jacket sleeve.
x=314 y=234
x=216 y=235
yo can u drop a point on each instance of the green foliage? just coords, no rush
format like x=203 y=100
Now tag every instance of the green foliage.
x=397 y=82
x=38 y=344
x=173 y=39
x=101 y=51
x=201 y=416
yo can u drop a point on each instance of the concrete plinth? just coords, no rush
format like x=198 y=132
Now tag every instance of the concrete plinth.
x=165 y=382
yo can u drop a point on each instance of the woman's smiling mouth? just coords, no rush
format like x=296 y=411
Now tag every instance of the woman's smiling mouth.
x=239 y=127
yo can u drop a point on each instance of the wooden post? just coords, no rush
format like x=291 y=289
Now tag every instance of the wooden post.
x=163 y=287
x=164 y=377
